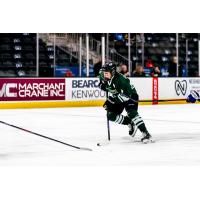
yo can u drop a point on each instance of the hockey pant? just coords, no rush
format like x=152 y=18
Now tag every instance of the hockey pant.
x=114 y=113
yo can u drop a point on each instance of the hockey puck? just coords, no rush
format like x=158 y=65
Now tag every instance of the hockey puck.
x=102 y=144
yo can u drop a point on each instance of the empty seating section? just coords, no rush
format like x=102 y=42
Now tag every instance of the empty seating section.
x=14 y=55
x=18 y=54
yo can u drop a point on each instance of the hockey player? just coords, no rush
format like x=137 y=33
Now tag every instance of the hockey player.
x=193 y=97
x=122 y=95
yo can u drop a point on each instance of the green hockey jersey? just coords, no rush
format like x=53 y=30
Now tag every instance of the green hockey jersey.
x=119 y=87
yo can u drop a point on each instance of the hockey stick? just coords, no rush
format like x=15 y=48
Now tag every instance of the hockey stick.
x=108 y=128
x=108 y=124
x=43 y=136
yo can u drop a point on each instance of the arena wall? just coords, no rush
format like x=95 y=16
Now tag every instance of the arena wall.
x=76 y=92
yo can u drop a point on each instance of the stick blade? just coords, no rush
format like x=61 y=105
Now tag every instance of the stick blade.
x=85 y=149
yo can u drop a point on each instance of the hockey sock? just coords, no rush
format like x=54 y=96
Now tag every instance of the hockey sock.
x=120 y=119
x=138 y=121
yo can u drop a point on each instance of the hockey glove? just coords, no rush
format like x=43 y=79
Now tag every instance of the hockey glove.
x=103 y=86
x=112 y=99
x=107 y=105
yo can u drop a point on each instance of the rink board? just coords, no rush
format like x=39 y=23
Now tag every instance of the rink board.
x=77 y=92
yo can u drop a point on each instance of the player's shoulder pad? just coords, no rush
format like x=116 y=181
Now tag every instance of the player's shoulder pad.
x=123 y=78
x=119 y=75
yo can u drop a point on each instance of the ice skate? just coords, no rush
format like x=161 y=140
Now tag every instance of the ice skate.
x=147 y=138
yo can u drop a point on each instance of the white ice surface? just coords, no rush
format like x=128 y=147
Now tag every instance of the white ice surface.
x=176 y=129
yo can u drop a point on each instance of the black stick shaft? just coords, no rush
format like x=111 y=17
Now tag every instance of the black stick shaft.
x=108 y=127
x=108 y=124
x=43 y=136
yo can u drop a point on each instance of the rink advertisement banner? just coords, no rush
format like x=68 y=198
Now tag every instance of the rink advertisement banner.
x=143 y=87
x=155 y=90
x=177 y=88
x=36 y=89
x=81 y=89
